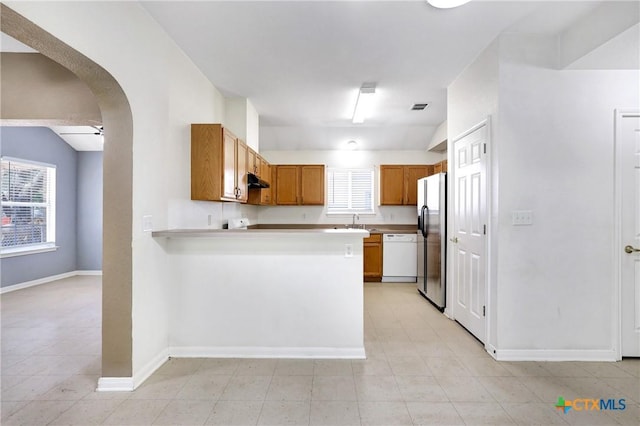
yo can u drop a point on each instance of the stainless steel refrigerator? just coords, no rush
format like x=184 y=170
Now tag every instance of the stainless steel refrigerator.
x=432 y=214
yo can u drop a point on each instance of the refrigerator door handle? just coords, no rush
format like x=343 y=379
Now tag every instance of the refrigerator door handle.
x=425 y=221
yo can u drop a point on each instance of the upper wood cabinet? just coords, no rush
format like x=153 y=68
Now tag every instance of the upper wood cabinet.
x=265 y=173
x=440 y=167
x=256 y=165
x=392 y=185
x=253 y=164
x=398 y=183
x=287 y=189
x=261 y=196
x=299 y=185
x=312 y=185
x=218 y=164
x=411 y=176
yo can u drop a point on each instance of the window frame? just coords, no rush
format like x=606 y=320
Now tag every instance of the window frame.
x=49 y=205
x=349 y=210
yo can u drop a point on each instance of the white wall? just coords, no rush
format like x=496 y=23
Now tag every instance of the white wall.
x=554 y=279
x=551 y=151
x=472 y=98
x=439 y=140
x=241 y=117
x=166 y=93
x=352 y=159
x=267 y=295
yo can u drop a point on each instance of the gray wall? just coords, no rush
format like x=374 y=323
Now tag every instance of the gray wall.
x=89 y=230
x=78 y=207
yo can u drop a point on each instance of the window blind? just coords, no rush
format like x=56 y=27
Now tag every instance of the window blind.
x=27 y=203
x=350 y=191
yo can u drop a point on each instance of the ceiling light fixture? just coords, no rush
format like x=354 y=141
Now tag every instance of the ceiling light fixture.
x=447 y=4
x=352 y=145
x=363 y=103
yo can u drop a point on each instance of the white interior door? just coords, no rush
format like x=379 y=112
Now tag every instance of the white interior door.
x=469 y=232
x=628 y=144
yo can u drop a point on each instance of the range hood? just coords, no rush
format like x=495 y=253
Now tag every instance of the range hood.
x=255 y=182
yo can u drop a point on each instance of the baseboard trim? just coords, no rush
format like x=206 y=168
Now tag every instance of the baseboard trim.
x=266 y=352
x=46 y=280
x=555 y=355
x=88 y=272
x=149 y=368
x=115 y=384
x=492 y=351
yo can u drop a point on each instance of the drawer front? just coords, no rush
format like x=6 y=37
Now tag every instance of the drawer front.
x=373 y=238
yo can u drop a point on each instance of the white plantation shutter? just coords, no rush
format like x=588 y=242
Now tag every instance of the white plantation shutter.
x=28 y=204
x=350 y=191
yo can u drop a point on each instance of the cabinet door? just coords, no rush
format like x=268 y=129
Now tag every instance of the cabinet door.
x=206 y=162
x=411 y=176
x=437 y=168
x=444 y=165
x=391 y=185
x=229 y=166
x=252 y=160
x=287 y=189
x=241 y=170
x=265 y=193
x=372 y=258
x=274 y=185
x=312 y=185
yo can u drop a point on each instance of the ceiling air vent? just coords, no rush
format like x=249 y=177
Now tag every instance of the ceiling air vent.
x=419 y=107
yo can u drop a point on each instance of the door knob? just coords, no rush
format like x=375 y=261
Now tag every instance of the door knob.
x=454 y=240
x=630 y=249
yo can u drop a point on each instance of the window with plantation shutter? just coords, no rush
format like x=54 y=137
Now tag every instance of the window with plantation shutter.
x=28 y=206
x=350 y=191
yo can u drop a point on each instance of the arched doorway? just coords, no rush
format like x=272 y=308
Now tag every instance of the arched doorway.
x=117 y=189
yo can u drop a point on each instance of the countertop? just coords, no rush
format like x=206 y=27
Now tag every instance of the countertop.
x=261 y=232
x=372 y=228
x=286 y=229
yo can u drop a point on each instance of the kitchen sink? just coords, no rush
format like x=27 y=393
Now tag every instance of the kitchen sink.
x=358 y=226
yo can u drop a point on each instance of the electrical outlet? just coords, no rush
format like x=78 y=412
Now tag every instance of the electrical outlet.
x=209 y=220
x=348 y=250
x=521 y=217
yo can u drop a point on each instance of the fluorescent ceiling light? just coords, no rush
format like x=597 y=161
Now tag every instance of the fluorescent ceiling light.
x=363 y=103
x=447 y=4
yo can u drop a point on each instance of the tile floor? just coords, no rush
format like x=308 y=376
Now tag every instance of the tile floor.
x=421 y=369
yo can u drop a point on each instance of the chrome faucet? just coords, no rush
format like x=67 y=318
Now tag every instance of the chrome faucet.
x=353 y=221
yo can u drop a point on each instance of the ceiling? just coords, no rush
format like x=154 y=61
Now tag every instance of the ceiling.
x=301 y=62
x=81 y=138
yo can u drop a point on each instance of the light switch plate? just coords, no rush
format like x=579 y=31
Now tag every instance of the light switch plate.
x=521 y=217
x=147 y=223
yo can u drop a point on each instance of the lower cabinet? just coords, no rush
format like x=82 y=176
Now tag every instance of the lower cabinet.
x=373 y=258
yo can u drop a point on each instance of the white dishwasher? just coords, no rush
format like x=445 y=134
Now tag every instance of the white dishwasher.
x=399 y=257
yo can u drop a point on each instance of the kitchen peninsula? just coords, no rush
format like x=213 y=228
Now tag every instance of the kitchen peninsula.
x=277 y=293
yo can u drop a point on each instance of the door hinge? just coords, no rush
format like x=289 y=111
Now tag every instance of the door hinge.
x=484 y=229
x=484 y=311
x=484 y=147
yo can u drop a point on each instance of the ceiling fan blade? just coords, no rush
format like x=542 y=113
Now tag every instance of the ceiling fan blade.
x=99 y=132
x=94 y=133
